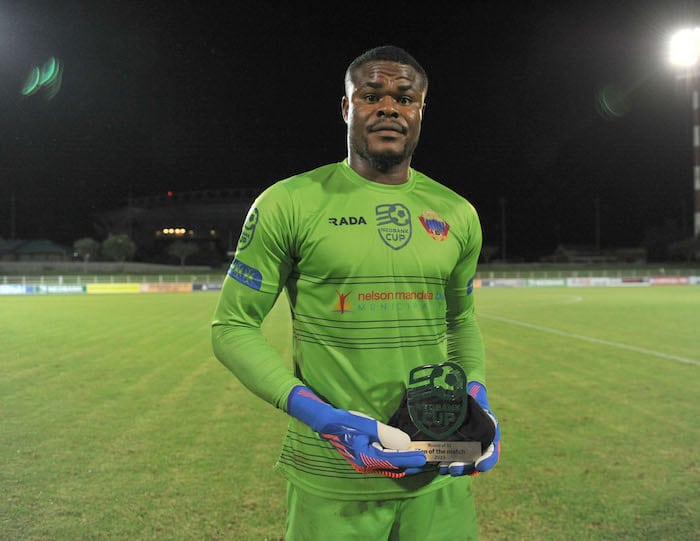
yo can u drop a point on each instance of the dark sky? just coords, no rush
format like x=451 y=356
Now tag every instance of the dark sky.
x=183 y=96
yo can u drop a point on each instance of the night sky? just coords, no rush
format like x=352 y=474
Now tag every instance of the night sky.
x=536 y=110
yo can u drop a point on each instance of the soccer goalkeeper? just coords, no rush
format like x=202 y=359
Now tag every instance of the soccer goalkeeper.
x=377 y=261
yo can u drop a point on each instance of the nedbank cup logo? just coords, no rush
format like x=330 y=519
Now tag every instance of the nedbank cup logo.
x=394 y=224
x=440 y=417
x=249 y=229
x=437 y=399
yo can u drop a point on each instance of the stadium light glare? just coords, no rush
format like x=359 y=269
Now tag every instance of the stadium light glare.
x=685 y=53
x=684 y=50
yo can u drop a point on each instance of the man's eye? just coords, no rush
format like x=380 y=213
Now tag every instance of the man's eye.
x=371 y=98
x=405 y=100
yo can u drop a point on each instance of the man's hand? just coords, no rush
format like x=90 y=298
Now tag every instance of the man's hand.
x=491 y=455
x=368 y=445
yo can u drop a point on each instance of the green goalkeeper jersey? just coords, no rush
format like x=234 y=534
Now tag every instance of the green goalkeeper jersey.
x=379 y=280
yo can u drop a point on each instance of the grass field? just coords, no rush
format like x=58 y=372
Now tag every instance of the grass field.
x=117 y=423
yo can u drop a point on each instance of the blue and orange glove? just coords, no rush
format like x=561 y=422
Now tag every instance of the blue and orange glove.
x=368 y=445
x=491 y=455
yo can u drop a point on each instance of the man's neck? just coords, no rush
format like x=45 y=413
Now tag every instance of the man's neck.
x=395 y=175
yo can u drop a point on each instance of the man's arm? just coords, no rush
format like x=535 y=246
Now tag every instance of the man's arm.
x=465 y=344
x=239 y=344
x=254 y=281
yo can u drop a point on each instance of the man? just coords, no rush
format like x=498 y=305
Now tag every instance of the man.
x=377 y=261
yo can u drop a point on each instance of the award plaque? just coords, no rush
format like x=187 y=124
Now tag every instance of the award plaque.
x=442 y=420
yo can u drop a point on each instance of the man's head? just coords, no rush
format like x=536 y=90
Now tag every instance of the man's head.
x=385 y=90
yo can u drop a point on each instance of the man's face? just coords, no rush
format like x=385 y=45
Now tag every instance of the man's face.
x=383 y=108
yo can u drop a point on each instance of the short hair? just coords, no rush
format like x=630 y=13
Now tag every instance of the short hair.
x=389 y=53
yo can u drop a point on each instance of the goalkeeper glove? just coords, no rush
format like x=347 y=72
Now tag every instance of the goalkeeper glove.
x=368 y=445
x=492 y=453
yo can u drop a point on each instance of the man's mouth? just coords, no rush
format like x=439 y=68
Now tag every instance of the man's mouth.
x=389 y=128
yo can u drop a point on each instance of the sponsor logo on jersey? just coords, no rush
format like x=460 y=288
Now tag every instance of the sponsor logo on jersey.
x=343 y=304
x=470 y=286
x=394 y=224
x=347 y=220
x=396 y=295
x=436 y=227
x=374 y=300
x=249 y=229
x=245 y=274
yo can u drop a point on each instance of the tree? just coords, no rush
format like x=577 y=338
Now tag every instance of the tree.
x=86 y=249
x=118 y=248
x=182 y=250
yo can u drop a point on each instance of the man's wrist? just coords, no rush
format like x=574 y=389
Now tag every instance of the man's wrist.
x=303 y=404
x=477 y=391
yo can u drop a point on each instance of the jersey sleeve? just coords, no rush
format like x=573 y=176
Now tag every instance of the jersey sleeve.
x=465 y=344
x=253 y=283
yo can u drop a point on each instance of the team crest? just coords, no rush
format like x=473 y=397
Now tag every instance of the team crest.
x=394 y=224
x=436 y=227
x=437 y=399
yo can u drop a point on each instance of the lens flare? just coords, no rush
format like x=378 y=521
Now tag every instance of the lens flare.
x=45 y=80
x=612 y=102
x=31 y=84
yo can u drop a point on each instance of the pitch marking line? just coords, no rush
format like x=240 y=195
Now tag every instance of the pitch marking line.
x=594 y=340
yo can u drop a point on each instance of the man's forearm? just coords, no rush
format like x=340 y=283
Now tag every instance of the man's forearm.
x=254 y=361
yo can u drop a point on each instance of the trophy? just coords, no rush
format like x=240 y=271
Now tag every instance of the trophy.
x=442 y=420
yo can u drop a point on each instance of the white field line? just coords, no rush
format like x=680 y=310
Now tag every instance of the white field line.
x=619 y=345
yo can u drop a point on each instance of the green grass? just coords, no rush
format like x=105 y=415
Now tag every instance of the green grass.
x=117 y=423
x=599 y=441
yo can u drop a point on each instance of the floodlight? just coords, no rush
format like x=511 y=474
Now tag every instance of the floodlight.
x=685 y=48
x=685 y=53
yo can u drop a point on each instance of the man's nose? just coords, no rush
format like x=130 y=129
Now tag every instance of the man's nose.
x=387 y=107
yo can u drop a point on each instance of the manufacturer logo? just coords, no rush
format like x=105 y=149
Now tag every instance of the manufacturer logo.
x=249 y=229
x=394 y=224
x=342 y=305
x=436 y=227
x=348 y=220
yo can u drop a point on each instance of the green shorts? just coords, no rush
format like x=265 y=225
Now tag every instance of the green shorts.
x=446 y=514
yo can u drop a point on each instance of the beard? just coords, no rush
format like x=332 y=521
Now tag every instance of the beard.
x=381 y=161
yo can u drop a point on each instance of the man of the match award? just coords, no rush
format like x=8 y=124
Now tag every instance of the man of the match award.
x=442 y=420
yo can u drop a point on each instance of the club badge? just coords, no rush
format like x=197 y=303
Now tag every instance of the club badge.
x=434 y=225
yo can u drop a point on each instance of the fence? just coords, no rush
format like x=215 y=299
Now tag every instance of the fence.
x=82 y=279
x=486 y=273
x=585 y=272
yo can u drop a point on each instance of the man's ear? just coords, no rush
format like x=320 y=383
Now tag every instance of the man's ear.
x=344 y=107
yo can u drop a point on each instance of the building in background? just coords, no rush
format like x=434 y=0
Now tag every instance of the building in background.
x=211 y=219
x=33 y=250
